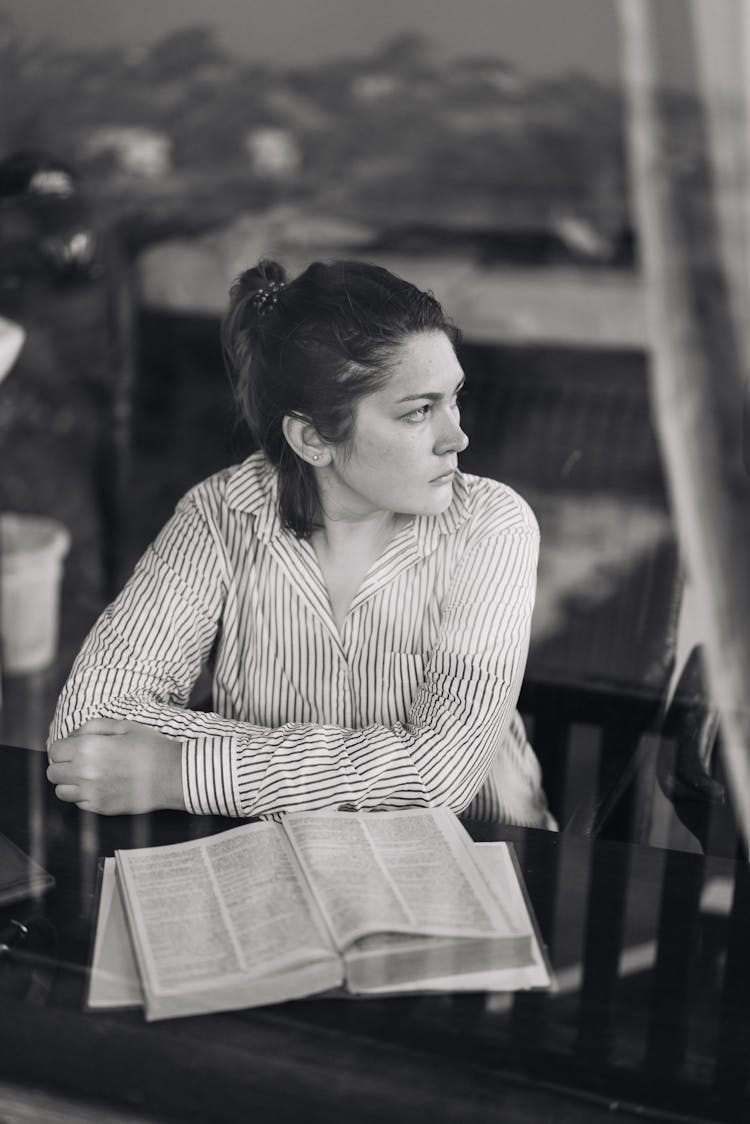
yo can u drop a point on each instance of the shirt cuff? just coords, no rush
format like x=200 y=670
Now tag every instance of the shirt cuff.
x=208 y=783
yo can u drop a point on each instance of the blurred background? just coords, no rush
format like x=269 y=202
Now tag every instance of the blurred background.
x=151 y=151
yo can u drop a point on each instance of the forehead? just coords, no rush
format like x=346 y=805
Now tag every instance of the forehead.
x=424 y=363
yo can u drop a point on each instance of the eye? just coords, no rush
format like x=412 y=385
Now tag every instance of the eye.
x=419 y=414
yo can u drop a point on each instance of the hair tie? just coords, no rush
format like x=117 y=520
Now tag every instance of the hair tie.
x=265 y=299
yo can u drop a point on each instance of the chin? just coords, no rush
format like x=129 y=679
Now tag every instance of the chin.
x=433 y=505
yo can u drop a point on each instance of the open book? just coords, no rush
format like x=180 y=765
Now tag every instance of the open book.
x=374 y=904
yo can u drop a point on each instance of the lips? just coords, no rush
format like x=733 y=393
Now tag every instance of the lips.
x=444 y=477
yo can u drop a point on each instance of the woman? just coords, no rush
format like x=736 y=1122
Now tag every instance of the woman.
x=363 y=606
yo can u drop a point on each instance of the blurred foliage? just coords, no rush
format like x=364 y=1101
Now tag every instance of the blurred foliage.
x=400 y=136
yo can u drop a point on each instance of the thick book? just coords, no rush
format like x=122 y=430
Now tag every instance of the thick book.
x=320 y=903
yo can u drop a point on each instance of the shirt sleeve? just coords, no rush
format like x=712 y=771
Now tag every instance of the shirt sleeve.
x=146 y=651
x=441 y=754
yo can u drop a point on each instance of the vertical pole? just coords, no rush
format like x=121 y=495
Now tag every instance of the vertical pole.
x=697 y=356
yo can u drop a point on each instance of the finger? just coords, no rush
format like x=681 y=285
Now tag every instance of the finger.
x=61 y=773
x=60 y=751
x=70 y=793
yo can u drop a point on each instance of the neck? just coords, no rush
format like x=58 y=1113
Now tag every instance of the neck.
x=344 y=531
x=346 y=549
x=345 y=525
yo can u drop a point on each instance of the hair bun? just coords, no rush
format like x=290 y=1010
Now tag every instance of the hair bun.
x=267 y=275
x=253 y=294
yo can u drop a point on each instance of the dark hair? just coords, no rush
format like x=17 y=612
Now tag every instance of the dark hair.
x=312 y=347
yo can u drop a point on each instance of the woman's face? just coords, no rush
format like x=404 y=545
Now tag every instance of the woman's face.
x=403 y=453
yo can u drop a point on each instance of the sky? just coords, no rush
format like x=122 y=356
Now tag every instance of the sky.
x=541 y=37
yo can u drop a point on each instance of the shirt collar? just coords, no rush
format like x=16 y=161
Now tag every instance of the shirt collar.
x=253 y=487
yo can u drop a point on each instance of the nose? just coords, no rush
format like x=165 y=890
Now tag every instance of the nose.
x=452 y=438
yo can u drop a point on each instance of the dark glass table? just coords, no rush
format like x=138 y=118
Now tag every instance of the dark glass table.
x=651 y=1015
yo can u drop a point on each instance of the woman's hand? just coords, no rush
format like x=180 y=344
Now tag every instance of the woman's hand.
x=117 y=767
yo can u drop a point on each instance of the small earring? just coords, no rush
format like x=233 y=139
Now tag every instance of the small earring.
x=315 y=456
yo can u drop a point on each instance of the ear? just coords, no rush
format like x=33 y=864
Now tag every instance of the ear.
x=305 y=440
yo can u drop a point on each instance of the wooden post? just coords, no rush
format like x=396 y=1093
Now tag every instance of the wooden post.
x=699 y=355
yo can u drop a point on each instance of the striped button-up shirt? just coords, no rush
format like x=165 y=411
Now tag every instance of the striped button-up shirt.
x=412 y=704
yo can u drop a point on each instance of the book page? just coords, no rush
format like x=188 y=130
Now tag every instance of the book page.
x=114 y=979
x=431 y=861
x=498 y=869
x=391 y=963
x=497 y=866
x=231 y=905
x=270 y=908
x=354 y=891
x=407 y=872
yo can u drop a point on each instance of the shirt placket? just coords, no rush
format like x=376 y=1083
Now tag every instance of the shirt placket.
x=347 y=700
x=299 y=565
